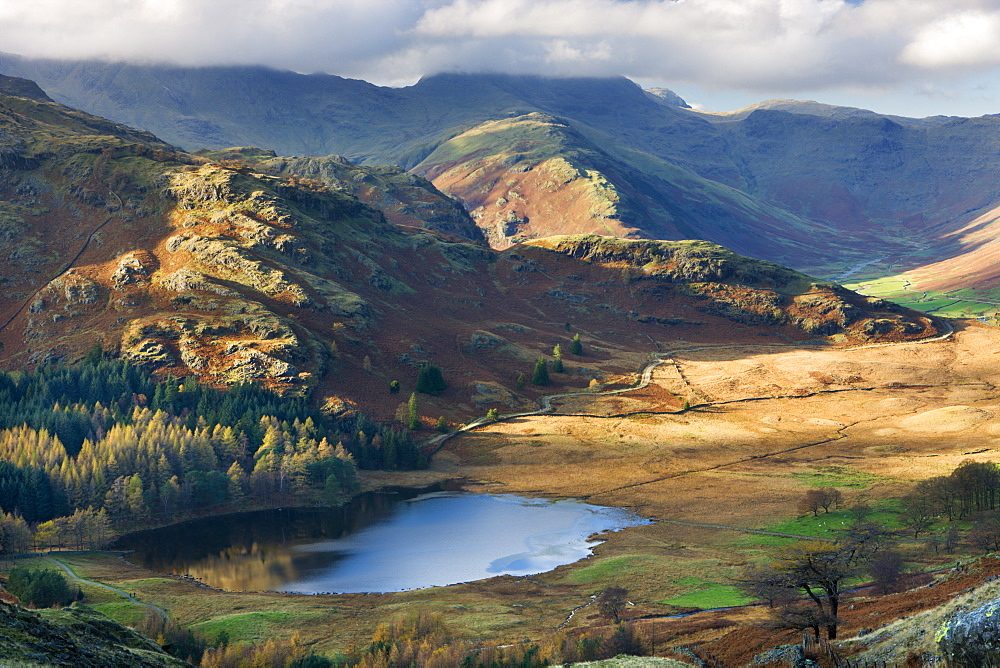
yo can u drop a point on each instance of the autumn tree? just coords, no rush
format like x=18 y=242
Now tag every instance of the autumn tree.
x=412 y=415
x=15 y=535
x=575 y=346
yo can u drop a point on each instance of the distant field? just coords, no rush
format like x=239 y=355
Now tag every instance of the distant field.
x=901 y=288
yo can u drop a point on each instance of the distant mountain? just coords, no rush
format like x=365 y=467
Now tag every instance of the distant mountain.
x=535 y=175
x=315 y=276
x=819 y=187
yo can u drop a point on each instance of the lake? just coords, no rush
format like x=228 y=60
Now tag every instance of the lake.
x=380 y=542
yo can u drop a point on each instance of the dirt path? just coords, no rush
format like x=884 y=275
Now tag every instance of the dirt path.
x=77 y=578
x=659 y=358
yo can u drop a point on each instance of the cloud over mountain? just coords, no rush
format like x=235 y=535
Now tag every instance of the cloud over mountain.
x=749 y=44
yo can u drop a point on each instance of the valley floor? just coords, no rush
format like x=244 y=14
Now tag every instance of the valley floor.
x=722 y=480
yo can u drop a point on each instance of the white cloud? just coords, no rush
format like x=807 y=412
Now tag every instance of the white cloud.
x=772 y=45
x=964 y=38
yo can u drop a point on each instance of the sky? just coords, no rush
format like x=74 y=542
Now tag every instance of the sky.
x=906 y=57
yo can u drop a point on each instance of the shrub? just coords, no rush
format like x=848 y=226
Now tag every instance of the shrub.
x=40 y=587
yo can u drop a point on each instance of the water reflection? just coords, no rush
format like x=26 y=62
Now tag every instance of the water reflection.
x=380 y=542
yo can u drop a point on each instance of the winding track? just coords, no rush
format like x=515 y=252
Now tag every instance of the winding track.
x=659 y=358
x=77 y=578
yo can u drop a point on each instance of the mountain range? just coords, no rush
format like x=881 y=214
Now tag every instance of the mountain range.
x=823 y=189
x=314 y=275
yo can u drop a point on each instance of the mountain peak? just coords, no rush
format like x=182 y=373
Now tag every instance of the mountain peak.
x=19 y=87
x=666 y=97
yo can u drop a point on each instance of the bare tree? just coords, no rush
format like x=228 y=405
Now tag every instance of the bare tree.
x=818 y=570
x=918 y=513
x=811 y=502
x=831 y=496
x=821 y=497
x=951 y=539
x=985 y=534
x=611 y=602
x=801 y=618
x=887 y=570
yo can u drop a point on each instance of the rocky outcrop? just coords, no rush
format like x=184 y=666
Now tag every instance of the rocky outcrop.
x=490 y=394
x=479 y=341
x=184 y=280
x=227 y=350
x=339 y=408
x=740 y=289
x=971 y=639
x=674 y=261
x=237 y=264
x=133 y=268
x=405 y=198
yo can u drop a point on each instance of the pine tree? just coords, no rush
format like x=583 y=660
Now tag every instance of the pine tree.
x=430 y=380
x=557 y=363
x=442 y=425
x=520 y=381
x=540 y=376
x=575 y=346
x=413 y=417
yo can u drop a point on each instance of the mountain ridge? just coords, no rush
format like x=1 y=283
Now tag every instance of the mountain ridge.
x=224 y=271
x=854 y=186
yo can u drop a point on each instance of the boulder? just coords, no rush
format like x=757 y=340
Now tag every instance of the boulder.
x=131 y=269
x=971 y=639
